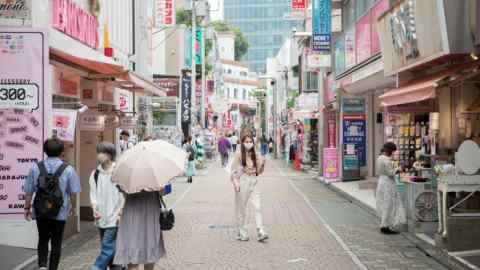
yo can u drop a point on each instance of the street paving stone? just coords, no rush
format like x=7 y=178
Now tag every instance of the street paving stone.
x=204 y=235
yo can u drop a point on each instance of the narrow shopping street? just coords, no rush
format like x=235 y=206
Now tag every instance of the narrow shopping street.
x=310 y=227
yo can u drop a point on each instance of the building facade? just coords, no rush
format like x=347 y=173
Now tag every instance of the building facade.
x=264 y=26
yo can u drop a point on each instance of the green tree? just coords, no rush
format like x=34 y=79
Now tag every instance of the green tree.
x=241 y=42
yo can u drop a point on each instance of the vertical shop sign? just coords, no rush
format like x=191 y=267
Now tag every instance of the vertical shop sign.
x=322 y=25
x=198 y=46
x=186 y=98
x=63 y=124
x=330 y=163
x=164 y=13
x=340 y=55
x=23 y=98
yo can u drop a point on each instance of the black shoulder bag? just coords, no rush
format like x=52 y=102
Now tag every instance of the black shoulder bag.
x=167 y=218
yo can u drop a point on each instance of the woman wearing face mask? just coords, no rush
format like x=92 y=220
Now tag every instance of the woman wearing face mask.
x=246 y=168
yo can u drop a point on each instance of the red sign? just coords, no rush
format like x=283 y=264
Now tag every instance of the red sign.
x=164 y=13
x=68 y=87
x=74 y=21
x=171 y=83
x=299 y=4
x=87 y=94
x=332 y=130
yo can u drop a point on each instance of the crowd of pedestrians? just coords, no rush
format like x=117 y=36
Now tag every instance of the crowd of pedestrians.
x=128 y=223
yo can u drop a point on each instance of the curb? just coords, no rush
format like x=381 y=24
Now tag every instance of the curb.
x=438 y=254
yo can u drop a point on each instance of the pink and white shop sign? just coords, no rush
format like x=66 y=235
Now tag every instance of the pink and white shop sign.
x=330 y=164
x=23 y=101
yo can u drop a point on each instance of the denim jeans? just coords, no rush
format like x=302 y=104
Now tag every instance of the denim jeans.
x=108 y=238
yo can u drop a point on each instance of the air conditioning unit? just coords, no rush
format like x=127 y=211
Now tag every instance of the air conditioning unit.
x=422 y=207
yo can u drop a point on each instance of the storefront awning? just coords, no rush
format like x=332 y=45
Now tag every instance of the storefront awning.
x=86 y=64
x=425 y=88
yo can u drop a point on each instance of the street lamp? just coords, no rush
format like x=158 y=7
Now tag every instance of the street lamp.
x=273 y=83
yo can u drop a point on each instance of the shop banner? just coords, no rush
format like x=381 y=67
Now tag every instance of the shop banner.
x=63 y=124
x=354 y=137
x=128 y=122
x=353 y=106
x=330 y=163
x=322 y=25
x=24 y=97
x=164 y=13
x=186 y=99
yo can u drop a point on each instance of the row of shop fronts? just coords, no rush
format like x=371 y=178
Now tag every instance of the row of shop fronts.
x=57 y=81
x=405 y=72
x=417 y=87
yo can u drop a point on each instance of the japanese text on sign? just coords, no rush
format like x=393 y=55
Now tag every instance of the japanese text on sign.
x=322 y=25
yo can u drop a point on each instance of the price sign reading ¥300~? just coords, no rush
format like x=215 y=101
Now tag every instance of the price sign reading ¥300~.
x=19 y=96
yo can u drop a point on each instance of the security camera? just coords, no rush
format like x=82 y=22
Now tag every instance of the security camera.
x=82 y=109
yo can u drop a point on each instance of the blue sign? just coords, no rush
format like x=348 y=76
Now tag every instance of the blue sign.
x=186 y=98
x=354 y=134
x=322 y=25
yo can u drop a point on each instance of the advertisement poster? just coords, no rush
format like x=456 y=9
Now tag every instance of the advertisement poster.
x=16 y=13
x=63 y=124
x=330 y=163
x=364 y=37
x=164 y=13
x=23 y=98
x=354 y=137
x=350 y=53
x=322 y=25
x=186 y=106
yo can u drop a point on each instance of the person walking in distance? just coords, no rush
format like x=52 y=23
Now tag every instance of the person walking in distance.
x=389 y=203
x=224 y=148
x=190 y=148
x=107 y=203
x=234 y=141
x=54 y=183
x=125 y=142
x=246 y=168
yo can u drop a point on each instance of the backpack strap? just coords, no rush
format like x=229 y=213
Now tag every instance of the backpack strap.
x=60 y=170
x=95 y=176
x=42 y=168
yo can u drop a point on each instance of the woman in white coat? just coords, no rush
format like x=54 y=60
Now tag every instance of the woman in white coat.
x=389 y=203
x=246 y=168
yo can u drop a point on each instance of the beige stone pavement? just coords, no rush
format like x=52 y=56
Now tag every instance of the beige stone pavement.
x=204 y=236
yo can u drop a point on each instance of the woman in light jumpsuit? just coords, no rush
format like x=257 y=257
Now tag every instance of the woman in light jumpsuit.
x=245 y=169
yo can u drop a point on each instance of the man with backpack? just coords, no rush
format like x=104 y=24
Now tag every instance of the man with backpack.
x=54 y=183
x=107 y=203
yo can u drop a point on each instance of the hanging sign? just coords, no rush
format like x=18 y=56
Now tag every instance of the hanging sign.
x=299 y=4
x=63 y=124
x=322 y=25
x=164 y=13
x=186 y=98
x=128 y=122
x=23 y=98
x=92 y=122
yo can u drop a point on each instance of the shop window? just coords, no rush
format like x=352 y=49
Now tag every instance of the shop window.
x=311 y=81
x=244 y=94
x=235 y=93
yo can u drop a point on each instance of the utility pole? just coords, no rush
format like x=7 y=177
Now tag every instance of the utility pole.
x=275 y=115
x=204 y=82
x=194 y=63
x=321 y=118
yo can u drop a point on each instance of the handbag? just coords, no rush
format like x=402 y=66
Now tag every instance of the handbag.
x=167 y=217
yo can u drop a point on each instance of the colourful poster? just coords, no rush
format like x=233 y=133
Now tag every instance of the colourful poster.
x=63 y=124
x=23 y=101
x=322 y=25
x=363 y=38
x=354 y=137
x=330 y=163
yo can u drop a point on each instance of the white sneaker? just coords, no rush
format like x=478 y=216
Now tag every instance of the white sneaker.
x=242 y=237
x=261 y=236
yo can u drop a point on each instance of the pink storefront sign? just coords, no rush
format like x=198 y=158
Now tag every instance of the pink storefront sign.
x=330 y=164
x=23 y=102
x=76 y=22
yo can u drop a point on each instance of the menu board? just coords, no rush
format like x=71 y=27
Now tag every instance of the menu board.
x=23 y=98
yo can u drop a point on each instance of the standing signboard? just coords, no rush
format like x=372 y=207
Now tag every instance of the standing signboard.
x=24 y=98
x=322 y=25
x=186 y=106
x=353 y=137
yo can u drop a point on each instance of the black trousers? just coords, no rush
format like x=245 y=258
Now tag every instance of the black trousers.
x=50 y=230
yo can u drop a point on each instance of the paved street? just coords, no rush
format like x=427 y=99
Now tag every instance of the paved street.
x=310 y=227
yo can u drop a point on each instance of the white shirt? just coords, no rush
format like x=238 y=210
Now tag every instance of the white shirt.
x=106 y=197
x=125 y=145
x=233 y=140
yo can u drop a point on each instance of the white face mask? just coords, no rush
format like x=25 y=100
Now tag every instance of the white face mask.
x=248 y=146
